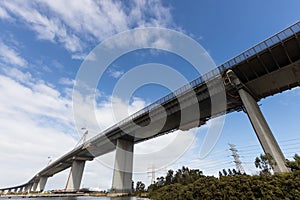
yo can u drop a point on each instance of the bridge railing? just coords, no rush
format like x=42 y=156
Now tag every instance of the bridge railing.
x=279 y=37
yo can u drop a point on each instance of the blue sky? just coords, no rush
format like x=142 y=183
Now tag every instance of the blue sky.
x=43 y=44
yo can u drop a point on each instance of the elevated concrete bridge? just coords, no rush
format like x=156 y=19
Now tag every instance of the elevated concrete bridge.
x=268 y=68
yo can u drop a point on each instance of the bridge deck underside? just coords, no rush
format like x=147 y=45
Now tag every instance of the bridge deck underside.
x=273 y=70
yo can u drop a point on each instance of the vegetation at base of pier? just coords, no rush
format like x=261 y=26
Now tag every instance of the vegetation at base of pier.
x=189 y=184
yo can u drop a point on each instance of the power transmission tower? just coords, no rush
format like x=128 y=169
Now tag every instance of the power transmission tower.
x=151 y=174
x=237 y=160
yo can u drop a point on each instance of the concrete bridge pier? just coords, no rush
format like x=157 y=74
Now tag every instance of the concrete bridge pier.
x=41 y=184
x=75 y=176
x=34 y=186
x=30 y=187
x=122 y=176
x=21 y=189
x=260 y=125
x=27 y=188
x=263 y=131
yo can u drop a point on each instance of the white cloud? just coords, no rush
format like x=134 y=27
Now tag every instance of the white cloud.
x=63 y=21
x=4 y=14
x=78 y=56
x=140 y=9
x=57 y=64
x=66 y=81
x=33 y=97
x=34 y=117
x=9 y=55
x=98 y=116
x=17 y=75
x=83 y=56
x=119 y=108
x=46 y=28
x=115 y=73
x=46 y=68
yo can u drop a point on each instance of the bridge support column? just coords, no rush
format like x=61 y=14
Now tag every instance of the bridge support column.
x=42 y=183
x=34 y=186
x=263 y=131
x=122 y=177
x=21 y=189
x=75 y=175
x=260 y=125
x=27 y=188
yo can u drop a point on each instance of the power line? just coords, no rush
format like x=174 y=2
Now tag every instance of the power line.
x=255 y=152
x=280 y=141
x=258 y=148
x=283 y=141
x=247 y=153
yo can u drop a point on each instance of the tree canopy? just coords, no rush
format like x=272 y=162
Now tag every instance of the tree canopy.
x=190 y=184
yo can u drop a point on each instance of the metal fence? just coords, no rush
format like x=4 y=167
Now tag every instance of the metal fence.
x=277 y=38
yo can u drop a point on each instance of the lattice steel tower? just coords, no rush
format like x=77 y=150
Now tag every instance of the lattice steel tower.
x=237 y=160
x=151 y=174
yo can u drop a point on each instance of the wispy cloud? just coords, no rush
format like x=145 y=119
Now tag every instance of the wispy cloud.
x=79 y=56
x=66 y=81
x=4 y=14
x=33 y=117
x=9 y=55
x=115 y=73
x=63 y=21
x=21 y=92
